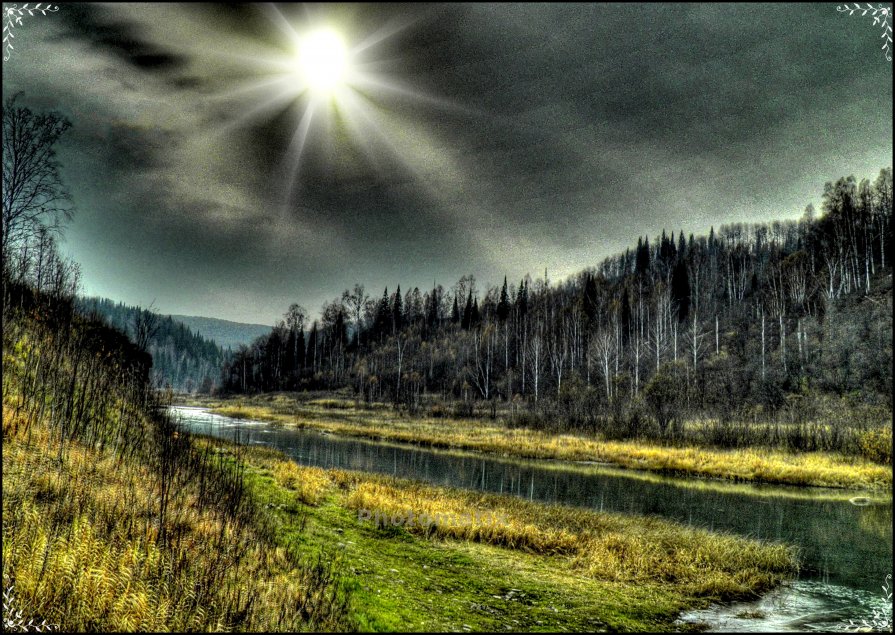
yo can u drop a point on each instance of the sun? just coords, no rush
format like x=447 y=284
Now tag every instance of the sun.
x=331 y=85
x=322 y=62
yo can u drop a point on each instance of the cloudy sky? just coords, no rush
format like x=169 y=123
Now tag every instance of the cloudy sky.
x=486 y=139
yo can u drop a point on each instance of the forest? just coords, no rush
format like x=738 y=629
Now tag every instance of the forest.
x=182 y=360
x=782 y=321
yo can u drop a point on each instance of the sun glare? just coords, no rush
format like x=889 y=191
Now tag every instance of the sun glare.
x=322 y=61
x=326 y=81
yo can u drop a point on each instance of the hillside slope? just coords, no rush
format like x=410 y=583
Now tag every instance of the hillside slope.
x=112 y=520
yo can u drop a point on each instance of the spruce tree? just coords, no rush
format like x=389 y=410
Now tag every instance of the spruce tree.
x=467 y=312
x=397 y=312
x=680 y=289
x=522 y=299
x=589 y=297
x=503 y=306
x=432 y=309
x=383 y=321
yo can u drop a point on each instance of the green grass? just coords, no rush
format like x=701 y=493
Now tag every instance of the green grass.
x=551 y=568
x=755 y=465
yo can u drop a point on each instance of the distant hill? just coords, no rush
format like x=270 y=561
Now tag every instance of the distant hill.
x=187 y=351
x=225 y=333
x=181 y=358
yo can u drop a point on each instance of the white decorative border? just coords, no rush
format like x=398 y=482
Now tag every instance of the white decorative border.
x=12 y=16
x=882 y=16
x=14 y=622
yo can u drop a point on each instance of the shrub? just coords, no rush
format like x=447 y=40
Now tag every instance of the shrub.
x=876 y=445
x=664 y=396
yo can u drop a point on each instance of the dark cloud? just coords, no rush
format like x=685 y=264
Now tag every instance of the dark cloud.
x=516 y=137
x=186 y=82
x=124 y=39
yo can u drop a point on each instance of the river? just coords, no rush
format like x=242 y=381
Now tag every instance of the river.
x=845 y=539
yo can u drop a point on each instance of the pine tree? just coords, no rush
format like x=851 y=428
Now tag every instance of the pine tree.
x=397 y=312
x=467 y=312
x=503 y=306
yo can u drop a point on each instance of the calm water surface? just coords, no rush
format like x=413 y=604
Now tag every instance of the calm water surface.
x=846 y=547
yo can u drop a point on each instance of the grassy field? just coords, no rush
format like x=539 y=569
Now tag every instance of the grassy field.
x=497 y=563
x=758 y=465
x=114 y=520
x=83 y=549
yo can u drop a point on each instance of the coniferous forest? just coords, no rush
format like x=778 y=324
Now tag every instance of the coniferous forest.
x=783 y=321
x=181 y=359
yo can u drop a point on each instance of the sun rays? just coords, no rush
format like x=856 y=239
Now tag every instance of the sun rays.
x=328 y=85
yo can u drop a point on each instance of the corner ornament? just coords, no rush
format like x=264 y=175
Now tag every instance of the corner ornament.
x=882 y=17
x=12 y=17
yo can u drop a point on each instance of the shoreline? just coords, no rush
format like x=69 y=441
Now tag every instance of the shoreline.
x=564 y=561
x=758 y=466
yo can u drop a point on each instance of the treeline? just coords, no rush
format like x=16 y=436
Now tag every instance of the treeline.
x=751 y=321
x=181 y=359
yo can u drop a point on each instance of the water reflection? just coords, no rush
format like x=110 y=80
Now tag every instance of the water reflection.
x=841 y=543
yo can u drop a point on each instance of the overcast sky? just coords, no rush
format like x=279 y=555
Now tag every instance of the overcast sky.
x=486 y=139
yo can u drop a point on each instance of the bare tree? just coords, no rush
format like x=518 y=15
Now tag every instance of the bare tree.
x=145 y=325
x=536 y=354
x=295 y=317
x=356 y=301
x=602 y=347
x=695 y=335
x=34 y=196
x=483 y=345
x=558 y=350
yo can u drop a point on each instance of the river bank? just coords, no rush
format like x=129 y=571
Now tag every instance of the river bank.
x=522 y=566
x=751 y=465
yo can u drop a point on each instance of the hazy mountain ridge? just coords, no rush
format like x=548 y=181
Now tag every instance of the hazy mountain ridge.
x=225 y=333
x=181 y=358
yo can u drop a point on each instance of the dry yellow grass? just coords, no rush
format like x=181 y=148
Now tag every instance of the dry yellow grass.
x=603 y=546
x=81 y=544
x=569 y=550
x=750 y=465
x=310 y=484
